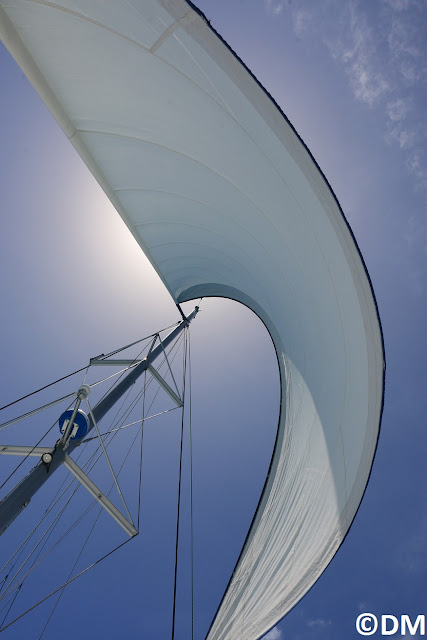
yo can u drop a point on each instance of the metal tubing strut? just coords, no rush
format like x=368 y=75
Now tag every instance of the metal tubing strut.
x=21 y=494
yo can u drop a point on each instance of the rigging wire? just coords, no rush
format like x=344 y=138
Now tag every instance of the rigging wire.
x=10 y=607
x=29 y=453
x=131 y=424
x=55 y=500
x=14 y=580
x=100 y=511
x=12 y=584
x=3 y=425
x=69 y=576
x=179 y=490
x=48 y=431
x=123 y=371
x=108 y=461
x=35 y=564
x=86 y=467
x=21 y=547
x=146 y=385
x=67 y=583
x=70 y=395
x=53 y=525
x=59 y=490
x=191 y=488
x=8 y=423
x=43 y=388
x=69 y=375
x=140 y=451
x=72 y=570
x=175 y=346
x=113 y=353
x=120 y=373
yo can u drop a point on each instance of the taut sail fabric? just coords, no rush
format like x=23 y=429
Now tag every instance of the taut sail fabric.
x=226 y=200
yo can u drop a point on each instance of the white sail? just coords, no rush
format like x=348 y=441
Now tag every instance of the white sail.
x=226 y=200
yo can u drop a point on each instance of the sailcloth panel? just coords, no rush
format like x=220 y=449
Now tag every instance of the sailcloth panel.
x=226 y=200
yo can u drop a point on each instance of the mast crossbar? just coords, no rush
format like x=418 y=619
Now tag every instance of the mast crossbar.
x=114 y=362
x=12 y=450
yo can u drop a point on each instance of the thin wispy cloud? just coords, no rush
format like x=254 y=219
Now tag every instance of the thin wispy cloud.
x=402 y=46
x=416 y=164
x=319 y=623
x=274 y=6
x=301 y=21
x=398 y=109
x=357 y=54
x=381 y=49
x=412 y=556
x=402 y=5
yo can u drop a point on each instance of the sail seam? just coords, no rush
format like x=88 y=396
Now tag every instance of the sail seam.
x=182 y=22
x=81 y=16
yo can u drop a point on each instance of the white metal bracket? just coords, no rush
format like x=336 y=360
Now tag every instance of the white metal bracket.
x=168 y=363
x=162 y=382
x=99 y=496
x=12 y=450
x=114 y=362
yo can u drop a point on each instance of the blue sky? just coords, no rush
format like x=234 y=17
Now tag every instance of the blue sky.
x=351 y=77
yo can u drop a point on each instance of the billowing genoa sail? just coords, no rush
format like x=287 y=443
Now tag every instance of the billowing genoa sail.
x=225 y=200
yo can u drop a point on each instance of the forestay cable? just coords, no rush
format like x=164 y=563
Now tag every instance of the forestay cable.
x=179 y=488
x=140 y=452
x=191 y=489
